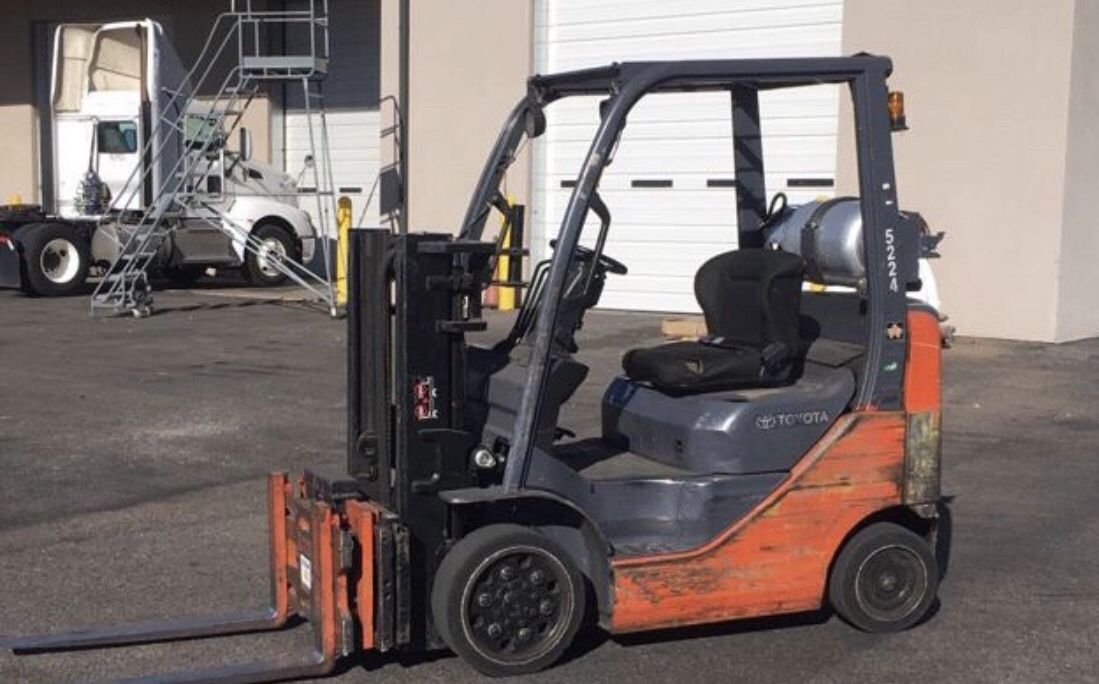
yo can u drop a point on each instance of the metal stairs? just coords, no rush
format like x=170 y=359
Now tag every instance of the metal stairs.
x=196 y=137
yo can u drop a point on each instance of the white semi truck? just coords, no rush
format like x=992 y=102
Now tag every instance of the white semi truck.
x=113 y=91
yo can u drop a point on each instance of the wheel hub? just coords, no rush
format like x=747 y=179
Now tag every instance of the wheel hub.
x=891 y=583
x=59 y=261
x=514 y=613
x=270 y=252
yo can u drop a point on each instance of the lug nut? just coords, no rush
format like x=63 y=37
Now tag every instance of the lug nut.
x=484 y=599
x=523 y=634
x=545 y=607
x=507 y=573
x=537 y=577
x=495 y=630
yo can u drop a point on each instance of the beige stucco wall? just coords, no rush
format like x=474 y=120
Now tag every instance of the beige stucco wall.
x=987 y=87
x=17 y=173
x=188 y=23
x=469 y=62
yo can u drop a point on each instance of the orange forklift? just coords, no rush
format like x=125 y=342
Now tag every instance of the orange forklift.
x=786 y=461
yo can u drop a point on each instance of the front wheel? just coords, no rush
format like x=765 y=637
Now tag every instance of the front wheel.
x=274 y=245
x=508 y=600
x=884 y=579
x=55 y=258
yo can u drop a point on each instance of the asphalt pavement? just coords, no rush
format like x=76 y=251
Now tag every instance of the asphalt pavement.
x=134 y=451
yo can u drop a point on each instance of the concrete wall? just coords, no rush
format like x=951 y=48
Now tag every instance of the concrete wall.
x=1078 y=305
x=469 y=62
x=187 y=22
x=987 y=85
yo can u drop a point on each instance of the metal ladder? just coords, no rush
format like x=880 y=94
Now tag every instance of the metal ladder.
x=125 y=286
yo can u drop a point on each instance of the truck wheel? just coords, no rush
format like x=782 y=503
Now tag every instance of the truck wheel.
x=508 y=600
x=884 y=579
x=275 y=243
x=55 y=259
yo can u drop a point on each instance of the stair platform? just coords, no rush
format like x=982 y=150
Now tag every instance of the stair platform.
x=283 y=66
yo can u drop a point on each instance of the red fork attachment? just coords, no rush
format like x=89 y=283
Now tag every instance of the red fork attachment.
x=322 y=562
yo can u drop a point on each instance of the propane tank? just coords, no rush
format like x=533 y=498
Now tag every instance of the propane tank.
x=839 y=252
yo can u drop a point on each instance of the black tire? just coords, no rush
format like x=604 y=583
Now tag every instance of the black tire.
x=55 y=259
x=508 y=600
x=885 y=579
x=259 y=274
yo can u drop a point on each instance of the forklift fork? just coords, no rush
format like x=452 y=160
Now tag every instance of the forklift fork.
x=313 y=561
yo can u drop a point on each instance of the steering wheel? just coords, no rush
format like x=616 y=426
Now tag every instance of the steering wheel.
x=611 y=264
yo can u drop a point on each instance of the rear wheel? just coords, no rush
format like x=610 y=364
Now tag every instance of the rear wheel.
x=55 y=258
x=884 y=579
x=508 y=600
x=274 y=245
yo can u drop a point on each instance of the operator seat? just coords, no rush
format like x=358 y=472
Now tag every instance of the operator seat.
x=750 y=299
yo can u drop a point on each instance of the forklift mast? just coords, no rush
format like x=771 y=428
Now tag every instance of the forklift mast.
x=412 y=299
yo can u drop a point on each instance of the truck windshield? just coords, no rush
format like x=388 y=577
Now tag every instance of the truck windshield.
x=116 y=137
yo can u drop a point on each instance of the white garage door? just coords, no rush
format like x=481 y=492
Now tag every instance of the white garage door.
x=669 y=187
x=351 y=106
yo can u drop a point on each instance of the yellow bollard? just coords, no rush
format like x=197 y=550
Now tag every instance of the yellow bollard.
x=343 y=225
x=503 y=267
x=506 y=297
x=15 y=200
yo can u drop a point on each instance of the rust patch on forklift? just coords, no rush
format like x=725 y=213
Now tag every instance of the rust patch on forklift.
x=923 y=471
x=776 y=558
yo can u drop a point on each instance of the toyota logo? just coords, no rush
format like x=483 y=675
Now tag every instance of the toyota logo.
x=765 y=422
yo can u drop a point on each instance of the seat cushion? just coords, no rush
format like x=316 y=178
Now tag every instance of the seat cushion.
x=682 y=367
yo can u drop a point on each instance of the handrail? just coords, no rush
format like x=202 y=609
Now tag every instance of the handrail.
x=154 y=137
x=139 y=240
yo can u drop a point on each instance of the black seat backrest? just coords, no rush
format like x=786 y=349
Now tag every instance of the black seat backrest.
x=752 y=296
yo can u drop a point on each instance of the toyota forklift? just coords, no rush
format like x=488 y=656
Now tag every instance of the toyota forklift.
x=787 y=461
